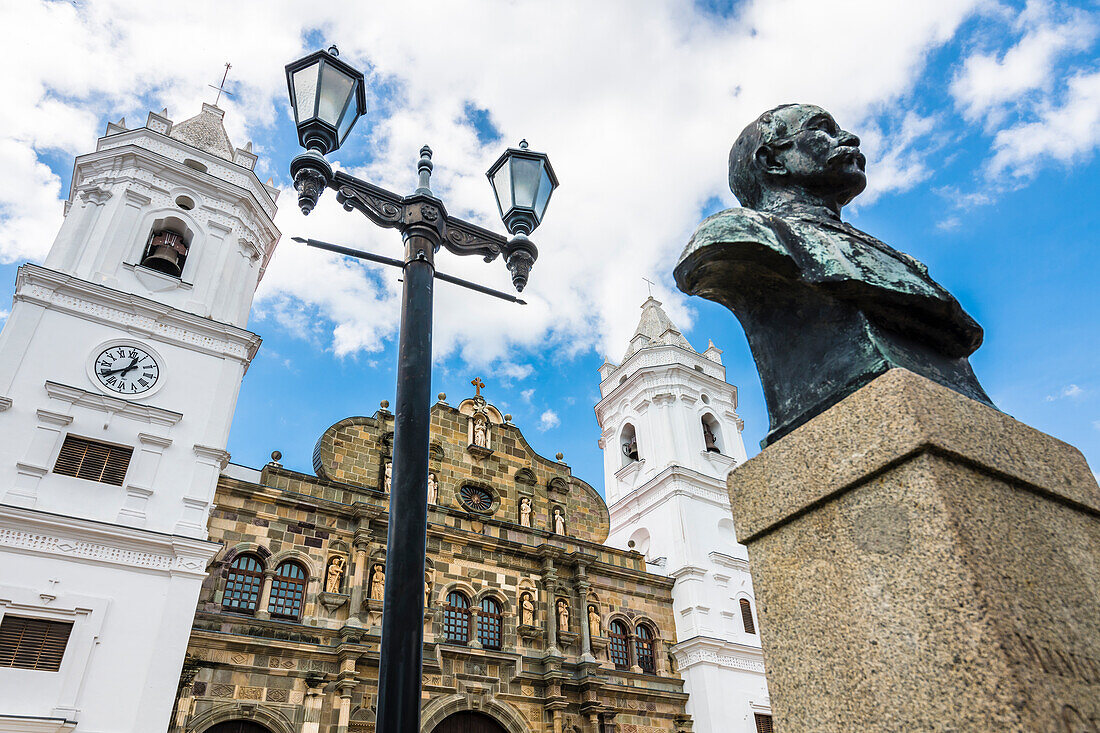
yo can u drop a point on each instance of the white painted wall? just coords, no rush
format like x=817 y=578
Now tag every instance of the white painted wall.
x=125 y=563
x=672 y=504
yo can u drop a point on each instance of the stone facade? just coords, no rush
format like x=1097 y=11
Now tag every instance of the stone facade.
x=317 y=672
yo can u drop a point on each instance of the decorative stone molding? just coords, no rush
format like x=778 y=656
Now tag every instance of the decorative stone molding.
x=48 y=534
x=111 y=405
x=133 y=313
x=708 y=651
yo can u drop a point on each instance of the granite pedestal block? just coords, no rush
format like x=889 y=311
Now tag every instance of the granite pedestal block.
x=923 y=562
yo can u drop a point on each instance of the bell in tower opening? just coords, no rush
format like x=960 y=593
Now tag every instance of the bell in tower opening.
x=166 y=252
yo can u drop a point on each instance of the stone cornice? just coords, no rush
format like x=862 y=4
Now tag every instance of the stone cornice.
x=706 y=650
x=40 y=533
x=55 y=290
x=671 y=482
x=112 y=405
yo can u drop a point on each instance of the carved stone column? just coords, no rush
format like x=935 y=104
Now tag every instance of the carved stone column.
x=184 y=694
x=344 y=688
x=358 y=574
x=580 y=583
x=475 y=640
x=265 y=595
x=550 y=595
x=315 y=698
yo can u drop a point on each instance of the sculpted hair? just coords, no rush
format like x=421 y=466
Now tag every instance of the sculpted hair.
x=746 y=178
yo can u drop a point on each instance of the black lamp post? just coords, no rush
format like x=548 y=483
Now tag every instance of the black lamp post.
x=328 y=97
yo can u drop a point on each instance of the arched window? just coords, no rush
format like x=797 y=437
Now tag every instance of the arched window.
x=746 y=616
x=628 y=444
x=456 y=618
x=617 y=645
x=488 y=624
x=712 y=433
x=243 y=584
x=288 y=591
x=643 y=648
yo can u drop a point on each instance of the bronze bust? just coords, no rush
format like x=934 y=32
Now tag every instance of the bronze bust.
x=826 y=307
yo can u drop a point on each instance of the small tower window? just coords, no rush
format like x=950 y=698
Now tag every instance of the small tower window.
x=618 y=637
x=167 y=248
x=489 y=624
x=243 y=584
x=643 y=648
x=746 y=617
x=628 y=443
x=288 y=590
x=712 y=434
x=456 y=618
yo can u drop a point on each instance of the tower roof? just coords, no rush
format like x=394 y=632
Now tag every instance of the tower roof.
x=655 y=328
x=205 y=131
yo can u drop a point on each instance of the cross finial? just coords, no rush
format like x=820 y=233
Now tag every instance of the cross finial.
x=221 y=87
x=478 y=386
x=650 y=284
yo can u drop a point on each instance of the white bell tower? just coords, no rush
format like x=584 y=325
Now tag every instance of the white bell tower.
x=120 y=366
x=670 y=435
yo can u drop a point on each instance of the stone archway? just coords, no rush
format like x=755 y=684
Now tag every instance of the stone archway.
x=469 y=721
x=506 y=719
x=238 y=726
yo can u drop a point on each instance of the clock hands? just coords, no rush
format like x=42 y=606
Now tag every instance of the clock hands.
x=128 y=367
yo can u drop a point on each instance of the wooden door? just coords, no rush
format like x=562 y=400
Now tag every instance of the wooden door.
x=468 y=722
x=238 y=726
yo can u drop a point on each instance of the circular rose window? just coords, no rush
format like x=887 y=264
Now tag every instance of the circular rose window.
x=476 y=499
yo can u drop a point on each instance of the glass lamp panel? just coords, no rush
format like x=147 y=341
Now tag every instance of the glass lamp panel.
x=525 y=176
x=502 y=185
x=305 y=92
x=351 y=114
x=336 y=87
x=546 y=187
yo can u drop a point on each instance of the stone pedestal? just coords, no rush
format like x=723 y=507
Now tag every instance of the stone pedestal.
x=923 y=562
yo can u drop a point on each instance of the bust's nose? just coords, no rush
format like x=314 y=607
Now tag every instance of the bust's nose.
x=847 y=139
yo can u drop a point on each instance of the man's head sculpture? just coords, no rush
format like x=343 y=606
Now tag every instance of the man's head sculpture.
x=796 y=152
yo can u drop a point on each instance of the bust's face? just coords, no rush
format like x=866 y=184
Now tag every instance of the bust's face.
x=821 y=157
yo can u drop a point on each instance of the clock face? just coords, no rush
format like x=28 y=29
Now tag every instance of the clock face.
x=128 y=370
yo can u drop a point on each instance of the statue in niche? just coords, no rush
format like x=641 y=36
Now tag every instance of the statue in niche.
x=593 y=621
x=525 y=512
x=526 y=610
x=433 y=491
x=389 y=475
x=337 y=567
x=378 y=581
x=559 y=521
x=563 y=615
x=826 y=307
x=481 y=432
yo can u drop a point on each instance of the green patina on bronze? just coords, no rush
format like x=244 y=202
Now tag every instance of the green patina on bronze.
x=826 y=307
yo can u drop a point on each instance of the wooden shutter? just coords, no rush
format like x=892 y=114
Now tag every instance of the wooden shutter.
x=33 y=643
x=746 y=617
x=94 y=461
x=763 y=723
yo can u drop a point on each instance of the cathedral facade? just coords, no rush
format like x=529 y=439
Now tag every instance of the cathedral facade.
x=532 y=625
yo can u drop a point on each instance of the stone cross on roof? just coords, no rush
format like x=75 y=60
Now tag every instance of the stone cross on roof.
x=478 y=386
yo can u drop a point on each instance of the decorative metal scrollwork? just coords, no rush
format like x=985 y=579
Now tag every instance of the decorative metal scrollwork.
x=383 y=211
x=466 y=239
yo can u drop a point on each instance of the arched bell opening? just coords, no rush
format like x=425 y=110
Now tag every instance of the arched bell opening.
x=712 y=433
x=168 y=245
x=628 y=443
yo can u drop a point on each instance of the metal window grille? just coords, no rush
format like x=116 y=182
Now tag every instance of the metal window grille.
x=746 y=617
x=643 y=647
x=456 y=618
x=33 y=643
x=764 y=723
x=243 y=585
x=92 y=460
x=489 y=624
x=288 y=590
x=617 y=645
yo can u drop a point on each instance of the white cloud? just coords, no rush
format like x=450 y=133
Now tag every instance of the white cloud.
x=527 y=394
x=636 y=109
x=549 y=419
x=1072 y=391
x=1065 y=132
x=988 y=83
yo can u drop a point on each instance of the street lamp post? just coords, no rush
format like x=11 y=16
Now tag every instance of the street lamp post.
x=328 y=97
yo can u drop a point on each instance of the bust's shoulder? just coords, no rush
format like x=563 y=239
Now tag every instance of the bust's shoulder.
x=736 y=225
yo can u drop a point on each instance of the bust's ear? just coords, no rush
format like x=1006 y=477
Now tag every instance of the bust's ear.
x=767 y=160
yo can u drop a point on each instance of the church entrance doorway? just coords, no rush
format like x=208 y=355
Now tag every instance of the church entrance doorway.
x=238 y=726
x=467 y=722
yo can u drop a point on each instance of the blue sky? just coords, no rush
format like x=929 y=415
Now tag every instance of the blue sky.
x=981 y=121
